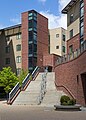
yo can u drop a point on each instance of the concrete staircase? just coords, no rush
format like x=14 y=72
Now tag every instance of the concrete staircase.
x=30 y=95
x=52 y=96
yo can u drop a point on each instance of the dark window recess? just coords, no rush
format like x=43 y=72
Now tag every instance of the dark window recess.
x=18 y=70
x=71 y=18
x=7 y=61
x=71 y=49
x=18 y=47
x=35 y=61
x=34 y=24
x=63 y=49
x=30 y=24
x=63 y=37
x=30 y=62
x=57 y=35
x=81 y=28
x=30 y=48
x=57 y=47
x=30 y=36
x=71 y=33
x=35 y=49
x=18 y=36
x=7 y=49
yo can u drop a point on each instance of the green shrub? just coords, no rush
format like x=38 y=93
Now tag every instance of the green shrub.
x=64 y=99
x=72 y=102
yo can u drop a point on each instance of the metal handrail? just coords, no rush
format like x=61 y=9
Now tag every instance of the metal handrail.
x=14 y=91
x=27 y=78
x=17 y=87
x=71 y=56
x=35 y=71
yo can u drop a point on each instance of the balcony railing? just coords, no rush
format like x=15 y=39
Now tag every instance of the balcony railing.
x=71 y=56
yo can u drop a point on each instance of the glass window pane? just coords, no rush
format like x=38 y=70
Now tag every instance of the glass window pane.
x=18 y=47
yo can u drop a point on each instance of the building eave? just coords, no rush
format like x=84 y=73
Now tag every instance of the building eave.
x=70 y=4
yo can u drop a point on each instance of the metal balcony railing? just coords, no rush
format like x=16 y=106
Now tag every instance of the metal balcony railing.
x=71 y=56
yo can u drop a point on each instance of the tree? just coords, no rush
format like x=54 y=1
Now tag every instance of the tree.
x=8 y=79
x=22 y=76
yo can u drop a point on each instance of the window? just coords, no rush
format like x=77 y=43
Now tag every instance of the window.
x=63 y=49
x=82 y=31
x=63 y=37
x=82 y=12
x=18 y=47
x=35 y=50
x=7 y=49
x=30 y=29
x=34 y=24
x=7 y=38
x=18 y=59
x=30 y=62
x=18 y=70
x=18 y=36
x=30 y=18
x=70 y=48
x=7 y=60
x=71 y=33
x=81 y=28
x=30 y=14
x=71 y=18
x=57 y=47
x=57 y=35
x=30 y=24
x=81 y=40
x=30 y=48
x=35 y=36
x=30 y=36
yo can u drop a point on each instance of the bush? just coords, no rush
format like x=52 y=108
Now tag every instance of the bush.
x=65 y=100
x=72 y=102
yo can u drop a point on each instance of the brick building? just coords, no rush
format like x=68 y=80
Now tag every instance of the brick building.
x=71 y=68
x=24 y=44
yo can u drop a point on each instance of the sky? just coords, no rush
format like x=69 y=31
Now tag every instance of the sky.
x=10 y=11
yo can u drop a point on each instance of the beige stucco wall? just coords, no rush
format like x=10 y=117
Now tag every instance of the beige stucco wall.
x=73 y=10
x=54 y=41
x=16 y=53
x=75 y=27
x=8 y=38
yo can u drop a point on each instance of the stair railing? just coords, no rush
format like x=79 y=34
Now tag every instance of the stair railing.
x=16 y=90
x=27 y=80
x=43 y=87
x=13 y=92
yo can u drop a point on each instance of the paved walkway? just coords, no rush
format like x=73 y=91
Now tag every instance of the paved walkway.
x=12 y=112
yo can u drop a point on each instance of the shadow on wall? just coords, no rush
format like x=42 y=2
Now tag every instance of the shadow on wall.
x=5 y=42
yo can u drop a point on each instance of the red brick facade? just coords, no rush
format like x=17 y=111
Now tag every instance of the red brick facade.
x=70 y=75
x=50 y=60
x=75 y=41
x=42 y=38
x=84 y=19
x=25 y=40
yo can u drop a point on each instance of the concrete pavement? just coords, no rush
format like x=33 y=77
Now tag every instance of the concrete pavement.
x=25 y=112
